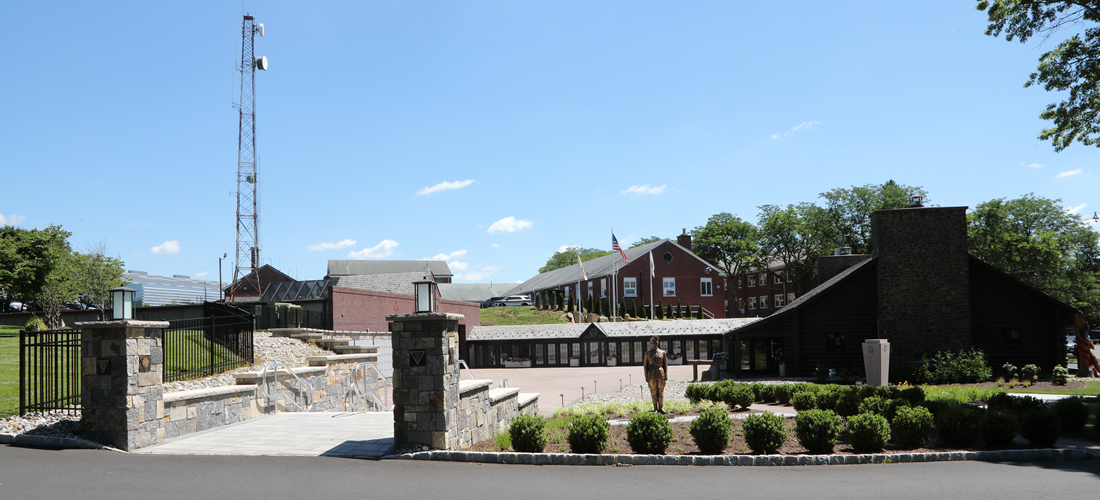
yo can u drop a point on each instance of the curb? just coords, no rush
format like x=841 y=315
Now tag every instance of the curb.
x=57 y=442
x=745 y=460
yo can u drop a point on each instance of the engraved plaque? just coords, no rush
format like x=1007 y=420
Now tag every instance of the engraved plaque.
x=103 y=366
x=416 y=358
x=144 y=362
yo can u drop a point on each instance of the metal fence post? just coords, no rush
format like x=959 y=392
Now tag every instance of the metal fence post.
x=211 y=343
x=22 y=373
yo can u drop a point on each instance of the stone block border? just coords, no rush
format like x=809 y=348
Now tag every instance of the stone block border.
x=746 y=460
x=50 y=442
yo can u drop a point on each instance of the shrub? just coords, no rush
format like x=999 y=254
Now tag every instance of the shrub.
x=999 y=428
x=915 y=395
x=1041 y=428
x=848 y=405
x=783 y=393
x=34 y=325
x=865 y=391
x=649 y=433
x=1010 y=370
x=845 y=376
x=1072 y=412
x=868 y=432
x=892 y=407
x=804 y=400
x=764 y=432
x=826 y=400
x=588 y=434
x=766 y=394
x=958 y=425
x=712 y=430
x=938 y=407
x=821 y=373
x=697 y=392
x=873 y=404
x=757 y=387
x=1018 y=405
x=1029 y=372
x=888 y=392
x=911 y=425
x=909 y=370
x=963 y=367
x=817 y=430
x=659 y=310
x=528 y=433
x=1060 y=375
x=735 y=395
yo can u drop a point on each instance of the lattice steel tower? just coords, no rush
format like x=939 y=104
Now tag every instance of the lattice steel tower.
x=246 y=277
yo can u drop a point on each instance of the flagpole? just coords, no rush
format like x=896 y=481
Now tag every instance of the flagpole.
x=614 y=283
x=651 y=273
x=579 y=271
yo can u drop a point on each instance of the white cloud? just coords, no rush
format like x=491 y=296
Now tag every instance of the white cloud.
x=805 y=126
x=477 y=275
x=509 y=225
x=775 y=136
x=1035 y=165
x=564 y=248
x=1068 y=173
x=1077 y=209
x=494 y=245
x=457 y=265
x=11 y=220
x=167 y=248
x=443 y=186
x=644 y=189
x=449 y=258
x=348 y=242
x=383 y=249
x=204 y=273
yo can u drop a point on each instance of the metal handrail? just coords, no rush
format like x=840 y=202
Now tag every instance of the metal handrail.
x=503 y=383
x=462 y=364
x=359 y=374
x=263 y=383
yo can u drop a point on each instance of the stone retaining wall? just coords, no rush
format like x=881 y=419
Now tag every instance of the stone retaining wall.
x=483 y=412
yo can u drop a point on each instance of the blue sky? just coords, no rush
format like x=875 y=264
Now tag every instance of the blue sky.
x=490 y=134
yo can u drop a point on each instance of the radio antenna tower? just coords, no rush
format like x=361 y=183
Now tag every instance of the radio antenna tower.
x=246 y=274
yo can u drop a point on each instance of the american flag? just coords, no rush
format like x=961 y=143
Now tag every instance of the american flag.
x=615 y=247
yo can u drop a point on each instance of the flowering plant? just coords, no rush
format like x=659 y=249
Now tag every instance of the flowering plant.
x=611 y=356
x=516 y=359
x=675 y=356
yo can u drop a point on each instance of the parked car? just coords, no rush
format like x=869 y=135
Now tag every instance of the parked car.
x=491 y=301
x=514 y=300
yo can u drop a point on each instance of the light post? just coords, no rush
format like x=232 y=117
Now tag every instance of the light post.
x=221 y=291
x=122 y=302
x=425 y=295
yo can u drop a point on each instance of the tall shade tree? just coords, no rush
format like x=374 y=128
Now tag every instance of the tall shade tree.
x=849 y=210
x=62 y=286
x=97 y=273
x=1069 y=66
x=643 y=241
x=568 y=256
x=795 y=236
x=1035 y=240
x=729 y=243
x=27 y=257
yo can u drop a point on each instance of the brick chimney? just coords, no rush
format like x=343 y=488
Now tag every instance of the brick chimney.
x=684 y=239
x=923 y=278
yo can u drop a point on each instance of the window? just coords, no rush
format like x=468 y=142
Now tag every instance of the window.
x=630 y=287
x=603 y=288
x=778 y=279
x=670 y=286
x=763 y=301
x=790 y=297
x=752 y=303
x=763 y=278
x=738 y=282
x=667 y=257
x=778 y=300
x=834 y=342
x=1011 y=339
x=752 y=280
x=590 y=284
x=705 y=287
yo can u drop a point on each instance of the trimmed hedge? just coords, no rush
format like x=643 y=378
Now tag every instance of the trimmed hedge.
x=712 y=430
x=588 y=434
x=649 y=433
x=912 y=425
x=868 y=432
x=528 y=433
x=764 y=432
x=817 y=430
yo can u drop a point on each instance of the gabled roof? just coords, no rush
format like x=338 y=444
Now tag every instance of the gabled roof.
x=268 y=274
x=976 y=261
x=399 y=283
x=289 y=291
x=474 y=292
x=625 y=329
x=596 y=268
x=338 y=268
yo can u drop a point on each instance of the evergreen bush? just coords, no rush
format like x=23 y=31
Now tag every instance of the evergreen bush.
x=1009 y=370
x=847 y=405
x=34 y=325
x=999 y=428
x=826 y=400
x=1029 y=372
x=712 y=430
x=958 y=425
x=911 y=425
x=817 y=430
x=668 y=311
x=659 y=310
x=783 y=393
x=528 y=433
x=1060 y=375
x=804 y=400
x=757 y=387
x=735 y=394
x=1041 y=428
x=1072 y=412
x=679 y=309
x=963 y=367
x=588 y=434
x=766 y=394
x=892 y=407
x=873 y=404
x=821 y=373
x=915 y=395
x=649 y=433
x=764 y=432
x=868 y=432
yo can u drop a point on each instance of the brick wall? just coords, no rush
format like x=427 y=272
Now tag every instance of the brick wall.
x=365 y=310
x=923 y=278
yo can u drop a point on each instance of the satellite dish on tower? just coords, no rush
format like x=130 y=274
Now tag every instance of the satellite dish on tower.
x=261 y=63
x=260 y=29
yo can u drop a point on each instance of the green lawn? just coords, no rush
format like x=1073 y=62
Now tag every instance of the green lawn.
x=520 y=315
x=9 y=374
x=192 y=353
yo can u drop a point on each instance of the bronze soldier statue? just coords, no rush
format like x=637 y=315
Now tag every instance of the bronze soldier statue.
x=655 y=364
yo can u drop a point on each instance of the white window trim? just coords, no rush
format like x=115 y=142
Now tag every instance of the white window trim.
x=777 y=278
x=763 y=301
x=778 y=300
x=591 y=286
x=630 y=291
x=752 y=281
x=665 y=287
x=752 y=303
x=710 y=287
x=603 y=288
x=790 y=297
x=763 y=279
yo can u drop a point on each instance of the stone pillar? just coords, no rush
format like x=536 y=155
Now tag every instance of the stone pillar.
x=425 y=379
x=122 y=369
x=876 y=360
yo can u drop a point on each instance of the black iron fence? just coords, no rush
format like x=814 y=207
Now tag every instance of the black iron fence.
x=49 y=371
x=204 y=346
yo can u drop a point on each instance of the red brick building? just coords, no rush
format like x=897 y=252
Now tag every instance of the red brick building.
x=680 y=279
x=762 y=292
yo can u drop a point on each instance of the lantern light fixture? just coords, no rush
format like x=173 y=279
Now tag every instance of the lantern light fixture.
x=425 y=295
x=122 y=302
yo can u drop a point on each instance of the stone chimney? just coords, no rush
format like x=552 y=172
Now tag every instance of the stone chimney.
x=923 y=278
x=684 y=239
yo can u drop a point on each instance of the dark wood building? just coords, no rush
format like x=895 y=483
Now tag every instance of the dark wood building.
x=921 y=291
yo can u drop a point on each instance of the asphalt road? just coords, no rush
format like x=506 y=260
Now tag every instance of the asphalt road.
x=91 y=474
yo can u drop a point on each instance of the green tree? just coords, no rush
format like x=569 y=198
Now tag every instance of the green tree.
x=643 y=241
x=729 y=243
x=97 y=273
x=849 y=210
x=795 y=236
x=61 y=286
x=1069 y=66
x=1035 y=240
x=568 y=256
x=27 y=256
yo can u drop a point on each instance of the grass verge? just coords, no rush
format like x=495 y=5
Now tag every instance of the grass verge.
x=520 y=316
x=9 y=375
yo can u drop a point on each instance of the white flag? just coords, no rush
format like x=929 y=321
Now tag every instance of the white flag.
x=652 y=271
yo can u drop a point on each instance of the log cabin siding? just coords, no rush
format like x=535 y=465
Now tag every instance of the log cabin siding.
x=849 y=308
